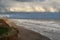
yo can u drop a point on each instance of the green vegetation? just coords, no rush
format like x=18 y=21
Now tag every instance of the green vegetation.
x=4 y=30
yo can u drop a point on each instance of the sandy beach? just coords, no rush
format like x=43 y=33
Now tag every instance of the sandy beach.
x=48 y=28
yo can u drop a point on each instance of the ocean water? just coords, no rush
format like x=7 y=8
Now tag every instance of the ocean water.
x=31 y=15
x=48 y=28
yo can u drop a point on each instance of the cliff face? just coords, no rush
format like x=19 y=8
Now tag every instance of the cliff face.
x=13 y=37
x=26 y=34
x=6 y=31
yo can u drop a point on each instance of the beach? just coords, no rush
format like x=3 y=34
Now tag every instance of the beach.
x=48 y=28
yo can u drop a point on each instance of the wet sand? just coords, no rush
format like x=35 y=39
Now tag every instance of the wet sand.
x=25 y=34
x=47 y=28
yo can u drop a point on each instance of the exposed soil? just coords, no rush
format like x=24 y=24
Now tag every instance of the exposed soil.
x=7 y=32
x=25 y=34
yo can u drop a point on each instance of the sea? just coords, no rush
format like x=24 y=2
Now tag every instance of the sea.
x=30 y=15
x=49 y=28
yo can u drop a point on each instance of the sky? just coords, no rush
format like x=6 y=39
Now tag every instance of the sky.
x=29 y=5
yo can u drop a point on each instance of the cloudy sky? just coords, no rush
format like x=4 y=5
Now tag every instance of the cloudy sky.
x=29 y=5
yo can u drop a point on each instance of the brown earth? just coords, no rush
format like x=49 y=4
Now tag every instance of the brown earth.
x=25 y=34
x=10 y=36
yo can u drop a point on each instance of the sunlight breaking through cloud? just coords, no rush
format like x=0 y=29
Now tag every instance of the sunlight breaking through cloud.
x=29 y=6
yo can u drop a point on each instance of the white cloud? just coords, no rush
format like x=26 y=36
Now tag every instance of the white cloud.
x=35 y=5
